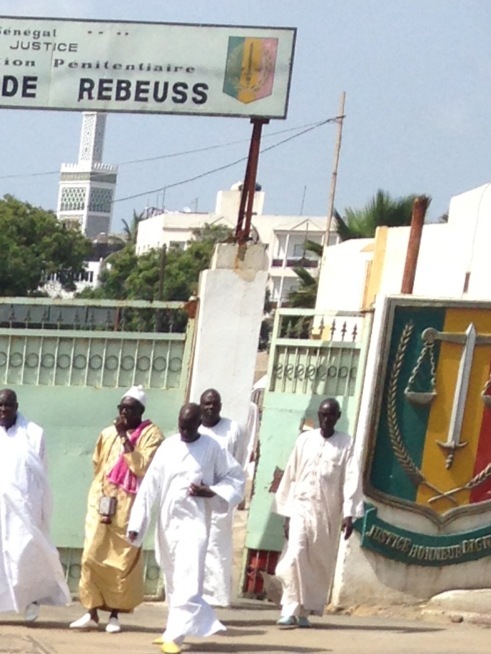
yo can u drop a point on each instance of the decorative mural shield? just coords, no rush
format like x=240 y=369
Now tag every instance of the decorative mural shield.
x=249 y=74
x=430 y=442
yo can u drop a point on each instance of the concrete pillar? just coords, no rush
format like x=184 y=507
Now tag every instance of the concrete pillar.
x=231 y=300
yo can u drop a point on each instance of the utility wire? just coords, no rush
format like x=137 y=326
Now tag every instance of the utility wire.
x=215 y=147
x=228 y=165
x=168 y=156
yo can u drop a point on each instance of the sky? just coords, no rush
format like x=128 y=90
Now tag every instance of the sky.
x=417 y=79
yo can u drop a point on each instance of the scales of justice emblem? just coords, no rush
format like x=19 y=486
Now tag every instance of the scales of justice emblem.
x=449 y=466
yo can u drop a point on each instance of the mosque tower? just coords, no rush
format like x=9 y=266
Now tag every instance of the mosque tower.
x=86 y=189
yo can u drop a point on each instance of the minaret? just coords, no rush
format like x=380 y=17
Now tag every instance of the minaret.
x=86 y=189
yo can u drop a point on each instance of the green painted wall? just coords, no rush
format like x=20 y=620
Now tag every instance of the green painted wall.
x=283 y=417
x=70 y=363
x=302 y=372
x=72 y=420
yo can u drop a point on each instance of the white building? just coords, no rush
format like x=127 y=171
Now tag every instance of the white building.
x=87 y=279
x=453 y=262
x=284 y=236
x=86 y=188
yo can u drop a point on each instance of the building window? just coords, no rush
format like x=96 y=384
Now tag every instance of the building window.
x=100 y=200
x=299 y=250
x=72 y=198
x=275 y=292
x=177 y=245
x=86 y=276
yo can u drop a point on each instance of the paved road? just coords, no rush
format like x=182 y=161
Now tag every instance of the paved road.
x=251 y=629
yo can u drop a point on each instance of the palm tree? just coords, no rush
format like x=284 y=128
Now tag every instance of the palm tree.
x=305 y=296
x=382 y=210
x=130 y=230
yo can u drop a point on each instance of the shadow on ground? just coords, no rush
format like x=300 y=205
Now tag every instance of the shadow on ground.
x=265 y=649
x=400 y=629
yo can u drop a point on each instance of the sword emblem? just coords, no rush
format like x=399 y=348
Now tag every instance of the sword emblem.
x=469 y=340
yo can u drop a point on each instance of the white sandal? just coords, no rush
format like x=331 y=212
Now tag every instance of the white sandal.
x=85 y=622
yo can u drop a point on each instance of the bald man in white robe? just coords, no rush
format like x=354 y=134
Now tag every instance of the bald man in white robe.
x=219 y=557
x=30 y=568
x=318 y=494
x=189 y=477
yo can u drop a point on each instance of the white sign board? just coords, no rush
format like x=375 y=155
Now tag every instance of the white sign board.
x=80 y=65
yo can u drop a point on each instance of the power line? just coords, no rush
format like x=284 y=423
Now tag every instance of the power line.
x=45 y=174
x=167 y=156
x=228 y=165
x=215 y=147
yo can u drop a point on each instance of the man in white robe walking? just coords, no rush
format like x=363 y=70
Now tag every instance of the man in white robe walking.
x=30 y=568
x=189 y=477
x=219 y=557
x=317 y=496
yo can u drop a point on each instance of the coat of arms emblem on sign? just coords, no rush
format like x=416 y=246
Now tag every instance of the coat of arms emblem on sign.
x=429 y=448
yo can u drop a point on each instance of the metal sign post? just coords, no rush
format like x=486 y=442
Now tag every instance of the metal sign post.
x=243 y=229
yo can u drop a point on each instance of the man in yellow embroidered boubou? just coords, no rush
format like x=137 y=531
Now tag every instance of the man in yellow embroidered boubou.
x=112 y=568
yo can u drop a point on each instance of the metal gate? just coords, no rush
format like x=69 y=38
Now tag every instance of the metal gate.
x=70 y=361
x=312 y=356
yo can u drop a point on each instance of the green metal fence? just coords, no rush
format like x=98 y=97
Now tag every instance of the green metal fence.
x=312 y=356
x=69 y=363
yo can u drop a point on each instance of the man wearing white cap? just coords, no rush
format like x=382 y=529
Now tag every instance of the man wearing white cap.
x=112 y=569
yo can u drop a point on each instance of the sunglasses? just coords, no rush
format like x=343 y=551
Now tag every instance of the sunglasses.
x=127 y=407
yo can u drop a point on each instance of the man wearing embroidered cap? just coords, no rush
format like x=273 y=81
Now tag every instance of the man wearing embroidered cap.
x=112 y=569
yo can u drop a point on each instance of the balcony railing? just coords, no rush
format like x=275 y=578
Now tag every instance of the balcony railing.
x=295 y=262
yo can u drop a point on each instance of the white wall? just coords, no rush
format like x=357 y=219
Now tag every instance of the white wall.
x=228 y=203
x=231 y=300
x=471 y=213
x=343 y=275
x=447 y=253
x=439 y=272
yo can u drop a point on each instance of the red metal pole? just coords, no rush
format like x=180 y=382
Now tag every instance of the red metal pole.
x=243 y=199
x=243 y=228
x=420 y=206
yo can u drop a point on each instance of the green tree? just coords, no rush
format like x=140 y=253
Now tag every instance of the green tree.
x=127 y=276
x=212 y=233
x=114 y=275
x=35 y=245
x=381 y=210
